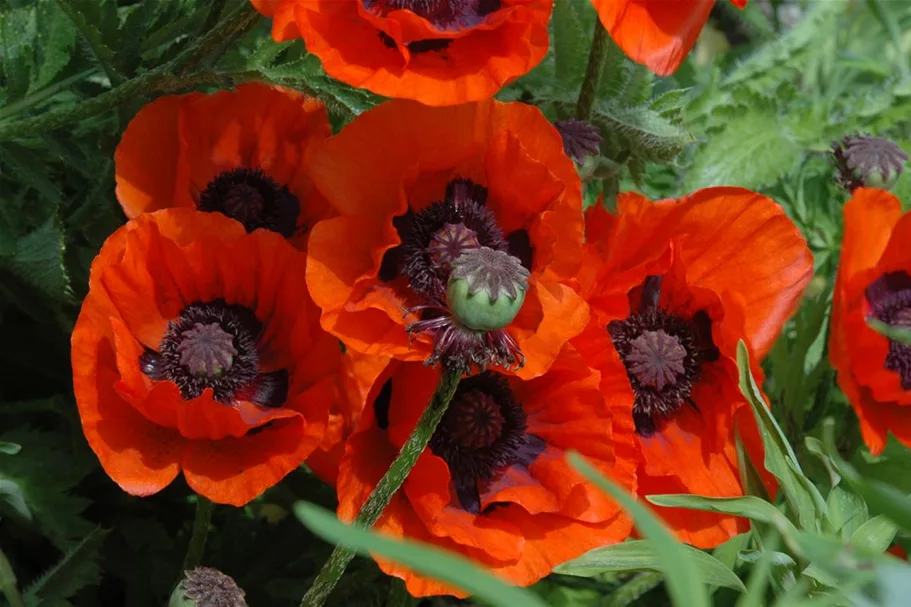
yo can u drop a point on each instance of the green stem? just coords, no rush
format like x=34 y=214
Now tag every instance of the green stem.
x=167 y=78
x=596 y=58
x=8 y=583
x=204 y=509
x=390 y=483
x=43 y=94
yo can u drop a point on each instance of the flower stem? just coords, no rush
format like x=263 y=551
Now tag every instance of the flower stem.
x=170 y=77
x=596 y=57
x=8 y=583
x=390 y=483
x=204 y=509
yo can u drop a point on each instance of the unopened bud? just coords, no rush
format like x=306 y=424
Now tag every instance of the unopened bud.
x=207 y=587
x=486 y=289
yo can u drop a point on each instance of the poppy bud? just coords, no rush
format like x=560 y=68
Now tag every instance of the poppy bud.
x=486 y=288
x=204 y=586
x=868 y=161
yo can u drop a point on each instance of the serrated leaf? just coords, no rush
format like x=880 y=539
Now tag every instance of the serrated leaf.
x=800 y=493
x=646 y=133
x=18 y=36
x=57 y=38
x=753 y=150
x=12 y=500
x=76 y=570
x=38 y=260
x=98 y=27
x=572 y=40
x=306 y=75
x=44 y=475
x=640 y=555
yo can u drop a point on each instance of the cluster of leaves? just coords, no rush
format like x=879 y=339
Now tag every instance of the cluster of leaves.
x=761 y=112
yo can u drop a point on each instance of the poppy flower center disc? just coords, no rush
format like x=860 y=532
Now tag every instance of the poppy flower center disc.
x=482 y=434
x=253 y=199
x=663 y=354
x=444 y=14
x=214 y=345
x=890 y=298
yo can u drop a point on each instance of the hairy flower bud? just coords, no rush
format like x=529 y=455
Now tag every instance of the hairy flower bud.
x=207 y=587
x=868 y=161
x=486 y=289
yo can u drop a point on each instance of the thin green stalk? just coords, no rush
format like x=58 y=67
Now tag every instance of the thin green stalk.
x=167 y=78
x=43 y=94
x=8 y=583
x=390 y=483
x=204 y=509
x=596 y=58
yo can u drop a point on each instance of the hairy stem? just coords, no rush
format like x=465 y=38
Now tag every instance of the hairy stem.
x=204 y=509
x=596 y=57
x=8 y=583
x=390 y=483
x=171 y=77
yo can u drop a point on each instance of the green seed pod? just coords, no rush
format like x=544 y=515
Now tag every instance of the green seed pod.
x=486 y=289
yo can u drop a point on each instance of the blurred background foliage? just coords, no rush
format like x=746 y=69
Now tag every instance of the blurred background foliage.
x=758 y=104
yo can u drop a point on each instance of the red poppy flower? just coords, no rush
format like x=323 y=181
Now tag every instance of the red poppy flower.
x=494 y=484
x=242 y=153
x=673 y=286
x=416 y=188
x=874 y=281
x=198 y=349
x=656 y=33
x=438 y=52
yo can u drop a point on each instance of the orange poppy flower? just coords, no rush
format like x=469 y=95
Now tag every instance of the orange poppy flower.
x=673 y=286
x=438 y=52
x=494 y=484
x=874 y=281
x=242 y=153
x=198 y=349
x=415 y=188
x=656 y=33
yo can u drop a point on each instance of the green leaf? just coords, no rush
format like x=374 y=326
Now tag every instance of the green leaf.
x=9 y=448
x=845 y=511
x=800 y=493
x=881 y=498
x=746 y=506
x=58 y=39
x=306 y=75
x=683 y=582
x=428 y=560
x=875 y=535
x=572 y=38
x=38 y=260
x=639 y=555
x=18 y=35
x=77 y=569
x=739 y=155
x=644 y=131
x=43 y=474
x=894 y=332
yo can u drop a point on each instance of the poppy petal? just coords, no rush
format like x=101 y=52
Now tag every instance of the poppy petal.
x=656 y=33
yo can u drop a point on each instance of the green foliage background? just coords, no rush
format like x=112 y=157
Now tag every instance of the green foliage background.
x=758 y=104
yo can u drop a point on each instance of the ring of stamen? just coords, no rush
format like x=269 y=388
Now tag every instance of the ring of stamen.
x=253 y=199
x=890 y=299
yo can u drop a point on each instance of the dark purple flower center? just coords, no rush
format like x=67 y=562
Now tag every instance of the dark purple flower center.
x=889 y=297
x=214 y=345
x=663 y=354
x=252 y=198
x=443 y=14
x=432 y=240
x=482 y=434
